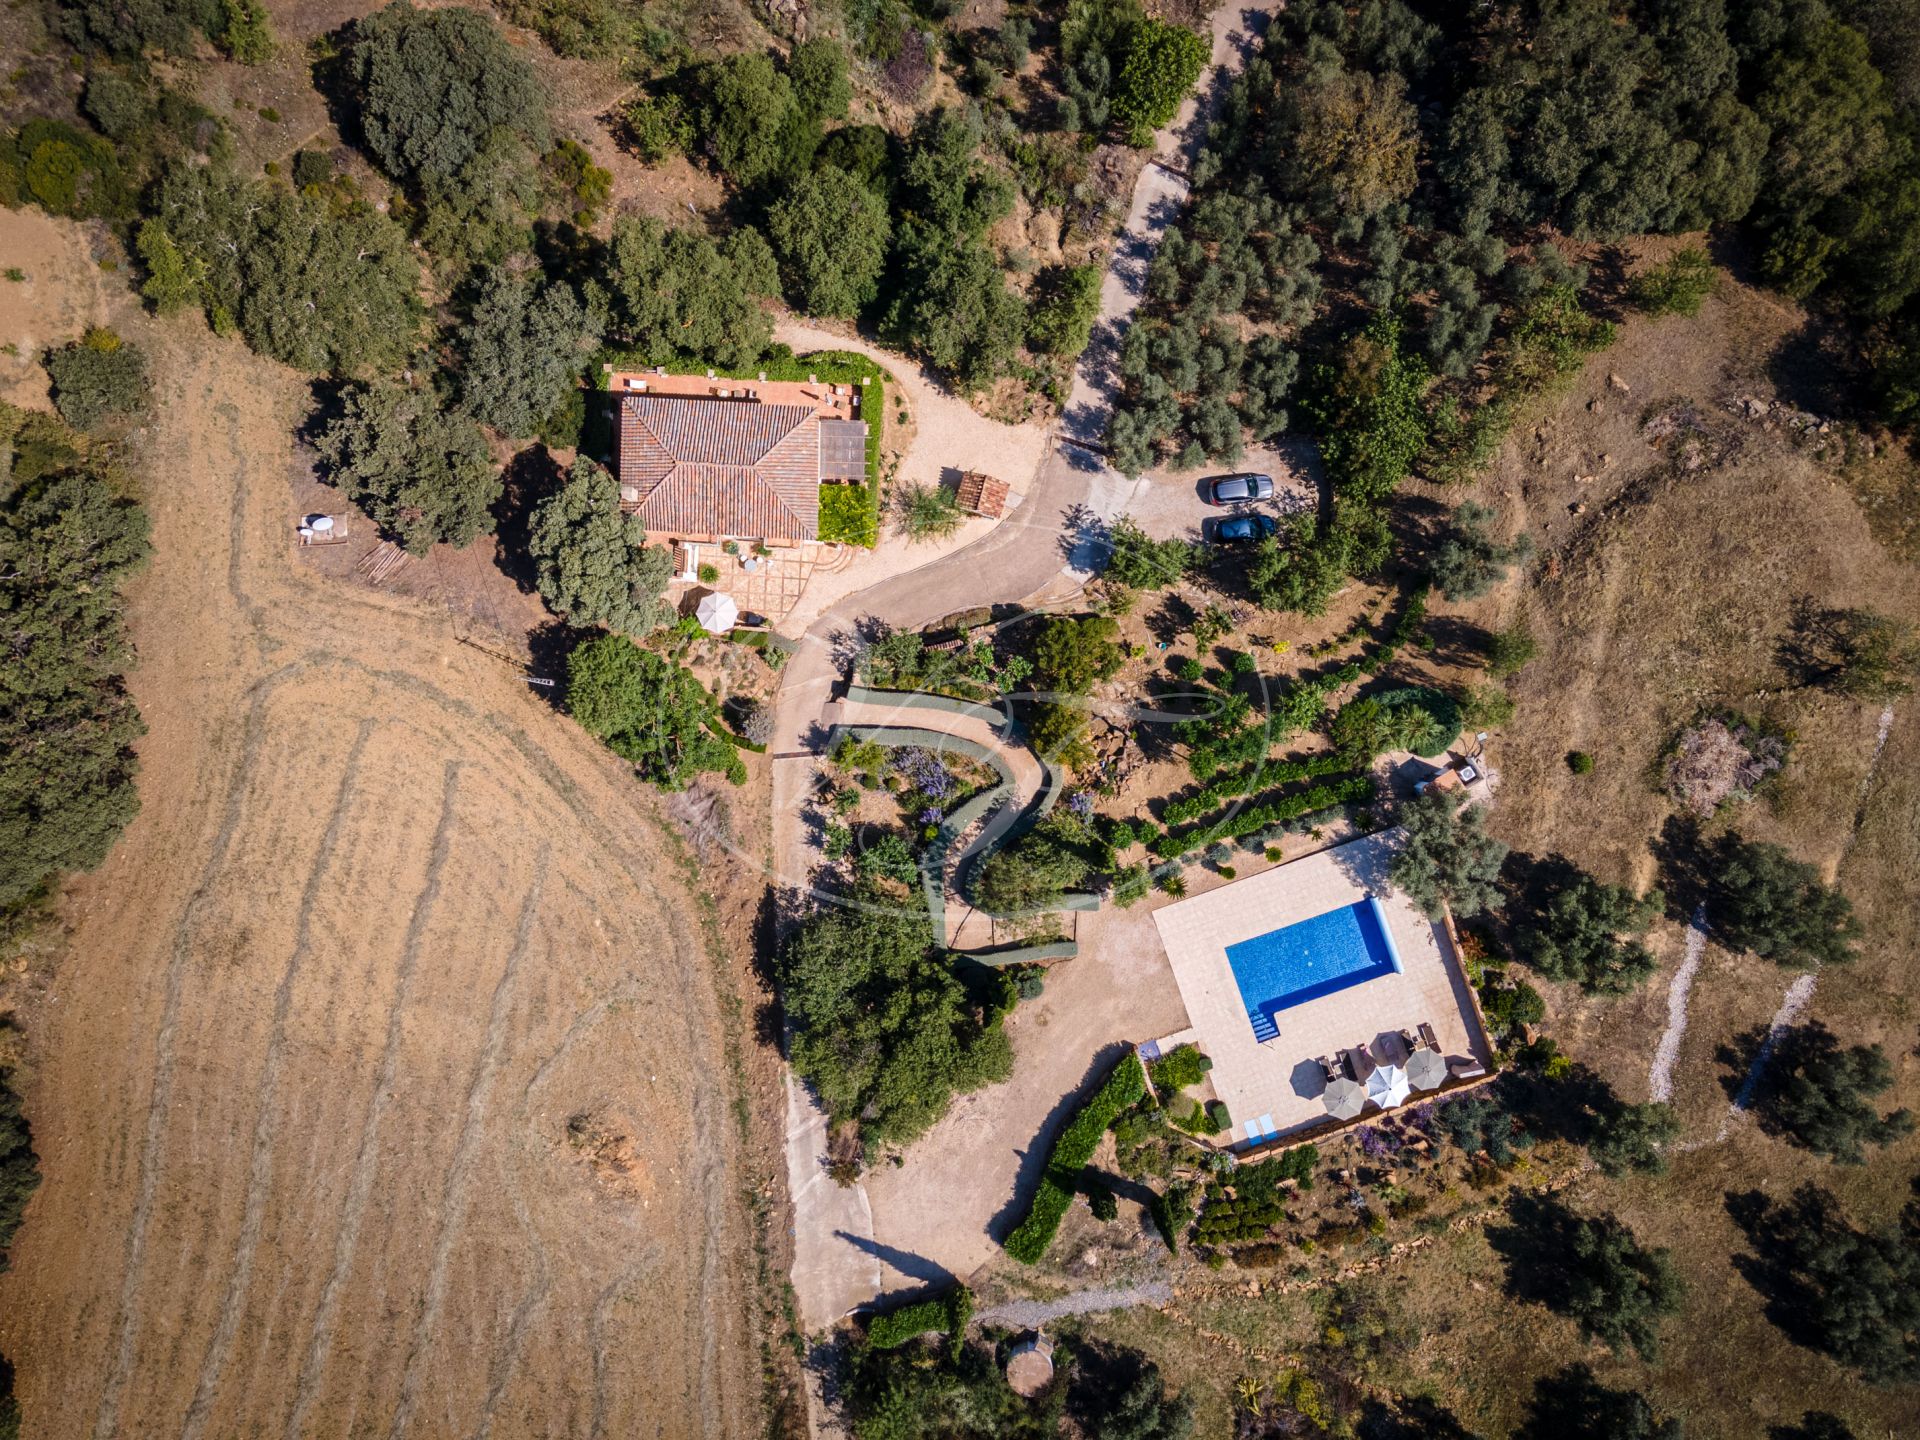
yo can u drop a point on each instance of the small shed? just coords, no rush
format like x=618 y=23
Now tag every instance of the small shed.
x=1030 y=1365
x=982 y=495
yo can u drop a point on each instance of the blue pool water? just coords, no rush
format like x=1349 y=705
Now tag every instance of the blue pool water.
x=1310 y=958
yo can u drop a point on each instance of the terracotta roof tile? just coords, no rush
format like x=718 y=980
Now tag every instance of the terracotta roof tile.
x=721 y=467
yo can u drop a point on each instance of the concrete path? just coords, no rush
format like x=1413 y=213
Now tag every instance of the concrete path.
x=1032 y=1314
x=990 y=1145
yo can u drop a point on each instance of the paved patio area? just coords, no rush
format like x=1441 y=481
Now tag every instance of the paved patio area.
x=1281 y=1078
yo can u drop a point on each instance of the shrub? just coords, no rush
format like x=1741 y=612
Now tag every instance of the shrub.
x=1511 y=648
x=96 y=376
x=1580 y=762
x=1104 y=1204
x=658 y=126
x=1125 y=1088
x=1678 y=287
x=1180 y=1067
x=850 y=514
x=708 y=574
x=1159 y=64
x=948 y=1313
x=929 y=512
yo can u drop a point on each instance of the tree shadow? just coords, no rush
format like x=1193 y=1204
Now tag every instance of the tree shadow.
x=1818 y=368
x=1684 y=856
x=1774 y=1231
x=1814 y=1425
x=1573 y=1405
x=529 y=478
x=1410 y=1418
x=1569 y=1108
x=1531 y=882
x=548 y=646
x=1171 y=618
x=1535 y=1247
x=1033 y=1159
x=770 y=920
x=927 y=1274
x=1086 y=540
x=1457 y=641
x=1739 y=1055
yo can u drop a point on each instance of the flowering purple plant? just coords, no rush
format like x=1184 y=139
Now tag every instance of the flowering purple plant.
x=1080 y=804
x=931 y=815
x=1378 y=1144
x=1422 y=1117
x=923 y=770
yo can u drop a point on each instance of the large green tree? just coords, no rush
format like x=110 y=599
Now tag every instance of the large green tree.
x=592 y=563
x=1821 y=1094
x=649 y=711
x=1447 y=860
x=1760 y=898
x=1159 y=63
x=421 y=472
x=830 y=230
x=521 y=350
x=882 y=1028
x=677 y=292
x=434 y=84
x=1851 y=1294
x=1589 y=932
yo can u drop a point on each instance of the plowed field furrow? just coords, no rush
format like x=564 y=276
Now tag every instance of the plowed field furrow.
x=320 y=1339
x=262 y=1150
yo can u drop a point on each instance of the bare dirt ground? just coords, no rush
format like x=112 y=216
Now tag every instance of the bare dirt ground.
x=385 y=1085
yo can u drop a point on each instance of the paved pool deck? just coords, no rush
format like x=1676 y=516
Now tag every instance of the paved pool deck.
x=1281 y=1078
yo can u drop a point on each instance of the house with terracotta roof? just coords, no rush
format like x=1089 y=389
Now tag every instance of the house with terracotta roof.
x=707 y=459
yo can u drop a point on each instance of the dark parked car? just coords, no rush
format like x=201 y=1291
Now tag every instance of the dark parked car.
x=1242 y=529
x=1228 y=489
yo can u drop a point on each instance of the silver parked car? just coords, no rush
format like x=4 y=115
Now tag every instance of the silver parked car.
x=1231 y=489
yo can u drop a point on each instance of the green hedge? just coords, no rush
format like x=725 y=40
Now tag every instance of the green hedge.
x=948 y=1313
x=1125 y=1088
x=1263 y=776
x=1355 y=789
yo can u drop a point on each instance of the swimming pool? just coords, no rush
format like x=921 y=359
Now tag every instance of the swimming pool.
x=1311 y=958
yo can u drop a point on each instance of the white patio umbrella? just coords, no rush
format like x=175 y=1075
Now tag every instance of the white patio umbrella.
x=717 y=613
x=1344 y=1098
x=1426 y=1070
x=1387 y=1087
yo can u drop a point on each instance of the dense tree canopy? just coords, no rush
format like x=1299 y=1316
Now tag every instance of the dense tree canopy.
x=647 y=710
x=1821 y=1094
x=317 y=286
x=1634 y=1137
x=676 y=292
x=521 y=350
x=434 y=84
x=882 y=1028
x=421 y=472
x=1588 y=932
x=68 y=540
x=1447 y=860
x=124 y=28
x=1760 y=898
x=950 y=299
x=830 y=230
x=591 y=562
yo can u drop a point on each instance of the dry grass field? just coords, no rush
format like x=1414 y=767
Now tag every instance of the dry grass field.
x=1665 y=598
x=384 y=1088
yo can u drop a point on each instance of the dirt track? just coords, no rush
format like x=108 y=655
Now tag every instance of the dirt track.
x=302 y=1087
